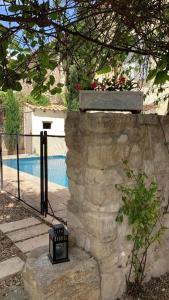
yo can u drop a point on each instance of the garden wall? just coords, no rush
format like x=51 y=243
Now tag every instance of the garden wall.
x=97 y=144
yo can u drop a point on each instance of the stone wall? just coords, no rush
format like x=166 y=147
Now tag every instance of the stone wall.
x=97 y=144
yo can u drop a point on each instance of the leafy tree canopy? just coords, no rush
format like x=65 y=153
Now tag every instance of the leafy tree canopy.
x=36 y=36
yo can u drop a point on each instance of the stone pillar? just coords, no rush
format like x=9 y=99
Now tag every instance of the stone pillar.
x=97 y=144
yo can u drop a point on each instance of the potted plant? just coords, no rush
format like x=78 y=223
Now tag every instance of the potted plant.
x=116 y=94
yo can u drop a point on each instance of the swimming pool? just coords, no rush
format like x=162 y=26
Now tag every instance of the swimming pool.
x=31 y=165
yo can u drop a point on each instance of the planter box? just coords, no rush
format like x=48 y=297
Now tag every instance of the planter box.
x=110 y=100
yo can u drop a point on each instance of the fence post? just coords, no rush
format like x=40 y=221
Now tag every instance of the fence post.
x=46 y=170
x=1 y=162
x=42 y=171
x=18 y=174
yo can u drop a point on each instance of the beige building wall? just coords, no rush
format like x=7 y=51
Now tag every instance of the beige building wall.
x=33 y=124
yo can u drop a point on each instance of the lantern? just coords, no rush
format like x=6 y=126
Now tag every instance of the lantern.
x=58 y=244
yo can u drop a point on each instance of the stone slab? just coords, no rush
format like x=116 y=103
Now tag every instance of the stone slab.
x=27 y=233
x=76 y=279
x=10 y=267
x=50 y=220
x=33 y=243
x=12 y=226
x=110 y=100
x=17 y=294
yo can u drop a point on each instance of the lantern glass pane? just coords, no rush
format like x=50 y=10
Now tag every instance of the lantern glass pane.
x=60 y=250
x=51 y=247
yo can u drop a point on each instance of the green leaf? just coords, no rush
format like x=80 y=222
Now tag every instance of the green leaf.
x=152 y=74
x=56 y=90
x=104 y=70
x=161 y=77
x=60 y=84
x=14 y=8
x=34 y=43
x=18 y=86
x=129 y=237
x=44 y=59
x=54 y=16
x=2 y=28
x=13 y=53
x=51 y=79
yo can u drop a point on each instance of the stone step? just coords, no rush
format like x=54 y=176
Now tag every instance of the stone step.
x=12 y=226
x=27 y=233
x=77 y=279
x=33 y=243
x=10 y=267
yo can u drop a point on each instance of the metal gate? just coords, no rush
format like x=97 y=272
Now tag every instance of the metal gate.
x=13 y=179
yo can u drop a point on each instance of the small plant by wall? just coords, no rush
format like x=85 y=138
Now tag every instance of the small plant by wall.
x=141 y=205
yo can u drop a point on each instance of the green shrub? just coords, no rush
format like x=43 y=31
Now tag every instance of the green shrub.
x=141 y=205
x=13 y=119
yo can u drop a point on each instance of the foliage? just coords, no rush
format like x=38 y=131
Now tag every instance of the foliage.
x=13 y=119
x=71 y=95
x=37 y=36
x=41 y=101
x=116 y=83
x=2 y=98
x=79 y=68
x=142 y=207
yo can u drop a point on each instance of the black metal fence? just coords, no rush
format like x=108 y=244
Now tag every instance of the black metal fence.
x=29 y=183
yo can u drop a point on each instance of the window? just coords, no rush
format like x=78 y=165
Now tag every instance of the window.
x=47 y=125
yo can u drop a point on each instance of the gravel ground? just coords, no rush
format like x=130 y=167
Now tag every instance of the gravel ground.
x=155 y=289
x=12 y=210
x=12 y=288
x=8 y=248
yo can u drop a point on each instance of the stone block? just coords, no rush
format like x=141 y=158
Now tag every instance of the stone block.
x=103 y=196
x=76 y=174
x=78 y=192
x=106 y=156
x=74 y=158
x=143 y=119
x=122 y=139
x=72 y=121
x=135 y=159
x=104 y=123
x=76 y=279
x=101 y=225
x=102 y=177
x=100 y=156
x=97 y=139
x=113 y=284
x=100 y=249
x=160 y=153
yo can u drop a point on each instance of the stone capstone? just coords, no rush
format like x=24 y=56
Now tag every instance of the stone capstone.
x=125 y=100
x=76 y=279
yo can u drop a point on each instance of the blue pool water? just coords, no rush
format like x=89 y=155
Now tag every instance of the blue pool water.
x=31 y=165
